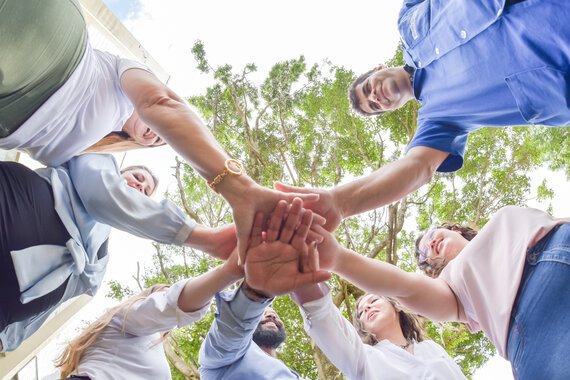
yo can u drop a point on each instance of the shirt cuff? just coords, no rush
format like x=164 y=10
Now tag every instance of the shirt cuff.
x=184 y=318
x=184 y=232
x=242 y=306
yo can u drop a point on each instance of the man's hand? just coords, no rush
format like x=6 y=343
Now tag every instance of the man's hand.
x=325 y=205
x=273 y=266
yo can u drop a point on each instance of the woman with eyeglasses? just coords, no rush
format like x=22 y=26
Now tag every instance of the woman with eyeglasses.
x=511 y=280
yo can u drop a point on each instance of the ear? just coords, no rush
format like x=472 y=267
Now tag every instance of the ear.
x=379 y=67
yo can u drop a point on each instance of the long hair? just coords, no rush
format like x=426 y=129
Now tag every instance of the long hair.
x=433 y=270
x=411 y=324
x=117 y=142
x=71 y=356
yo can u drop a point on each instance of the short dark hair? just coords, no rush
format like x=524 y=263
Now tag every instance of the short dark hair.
x=146 y=169
x=354 y=100
x=434 y=270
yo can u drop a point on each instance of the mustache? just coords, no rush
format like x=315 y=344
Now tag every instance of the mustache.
x=277 y=323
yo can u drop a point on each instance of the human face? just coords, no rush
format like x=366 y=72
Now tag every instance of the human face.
x=441 y=245
x=271 y=320
x=140 y=132
x=378 y=316
x=270 y=332
x=384 y=90
x=141 y=180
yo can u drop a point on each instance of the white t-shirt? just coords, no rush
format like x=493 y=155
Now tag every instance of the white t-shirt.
x=131 y=348
x=340 y=342
x=88 y=106
x=486 y=276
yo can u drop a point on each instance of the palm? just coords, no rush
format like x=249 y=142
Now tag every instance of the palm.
x=273 y=267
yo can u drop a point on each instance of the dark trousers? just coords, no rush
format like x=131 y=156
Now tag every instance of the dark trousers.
x=27 y=218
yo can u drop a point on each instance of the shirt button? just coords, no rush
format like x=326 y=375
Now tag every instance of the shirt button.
x=463 y=34
x=437 y=51
x=420 y=64
x=499 y=12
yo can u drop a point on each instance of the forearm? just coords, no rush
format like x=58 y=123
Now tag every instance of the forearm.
x=427 y=296
x=200 y=290
x=389 y=183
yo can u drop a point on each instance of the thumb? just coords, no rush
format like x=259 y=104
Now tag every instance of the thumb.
x=290 y=189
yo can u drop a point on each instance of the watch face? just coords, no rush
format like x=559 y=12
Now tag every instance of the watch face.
x=234 y=166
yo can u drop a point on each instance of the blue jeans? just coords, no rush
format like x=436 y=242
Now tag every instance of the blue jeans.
x=538 y=344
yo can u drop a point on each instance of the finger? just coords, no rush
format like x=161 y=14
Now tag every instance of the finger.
x=293 y=217
x=276 y=221
x=313 y=256
x=257 y=230
x=312 y=278
x=318 y=219
x=290 y=189
x=298 y=241
x=314 y=236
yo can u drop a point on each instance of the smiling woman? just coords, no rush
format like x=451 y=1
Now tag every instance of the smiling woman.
x=385 y=340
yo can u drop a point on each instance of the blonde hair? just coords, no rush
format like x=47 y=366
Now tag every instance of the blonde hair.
x=411 y=324
x=71 y=356
x=117 y=142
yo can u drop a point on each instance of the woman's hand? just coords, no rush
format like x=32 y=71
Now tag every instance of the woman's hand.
x=218 y=242
x=329 y=250
x=246 y=198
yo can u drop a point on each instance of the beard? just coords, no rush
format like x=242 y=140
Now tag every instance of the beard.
x=269 y=337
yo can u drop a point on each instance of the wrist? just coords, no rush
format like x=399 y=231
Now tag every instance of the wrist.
x=253 y=294
x=340 y=201
x=233 y=188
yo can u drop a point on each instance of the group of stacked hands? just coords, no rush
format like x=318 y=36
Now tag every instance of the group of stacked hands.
x=469 y=64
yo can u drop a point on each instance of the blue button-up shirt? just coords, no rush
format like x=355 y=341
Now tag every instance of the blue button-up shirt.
x=481 y=63
x=228 y=352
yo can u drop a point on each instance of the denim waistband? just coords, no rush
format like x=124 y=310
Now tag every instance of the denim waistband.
x=553 y=247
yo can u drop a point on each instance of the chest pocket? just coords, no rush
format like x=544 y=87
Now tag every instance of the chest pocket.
x=542 y=95
x=414 y=24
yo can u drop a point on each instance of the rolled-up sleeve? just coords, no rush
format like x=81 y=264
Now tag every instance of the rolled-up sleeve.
x=109 y=200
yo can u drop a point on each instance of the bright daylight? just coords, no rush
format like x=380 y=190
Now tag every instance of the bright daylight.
x=301 y=190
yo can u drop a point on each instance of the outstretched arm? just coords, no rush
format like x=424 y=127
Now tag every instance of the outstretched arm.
x=387 y=184
x=173 y=120
x=429 y=297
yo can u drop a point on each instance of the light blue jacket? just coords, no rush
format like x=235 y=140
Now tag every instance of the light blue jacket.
x=89 y=196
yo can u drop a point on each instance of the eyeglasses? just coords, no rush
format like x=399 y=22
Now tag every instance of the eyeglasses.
x=424 y=250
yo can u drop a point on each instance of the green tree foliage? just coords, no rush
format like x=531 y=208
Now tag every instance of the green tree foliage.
x=296 y=126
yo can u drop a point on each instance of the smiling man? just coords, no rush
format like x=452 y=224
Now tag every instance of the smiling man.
x=470 y=64
x=243 y=339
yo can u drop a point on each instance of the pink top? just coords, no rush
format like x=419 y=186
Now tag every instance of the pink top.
x=485 y=277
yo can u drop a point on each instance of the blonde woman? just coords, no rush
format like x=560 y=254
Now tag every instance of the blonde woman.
x=125 y=342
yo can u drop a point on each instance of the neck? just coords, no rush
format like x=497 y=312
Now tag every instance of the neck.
x=269 y=351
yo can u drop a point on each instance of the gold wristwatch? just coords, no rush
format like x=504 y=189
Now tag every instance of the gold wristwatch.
x=232 y=167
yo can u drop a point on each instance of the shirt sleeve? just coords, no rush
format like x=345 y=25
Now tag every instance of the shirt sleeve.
x=159 y=312
x=444 y=137
x=230 y=335
x=109 y=200
x=337 y=338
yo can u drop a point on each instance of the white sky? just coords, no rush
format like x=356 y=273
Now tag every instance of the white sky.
x=357 y=35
